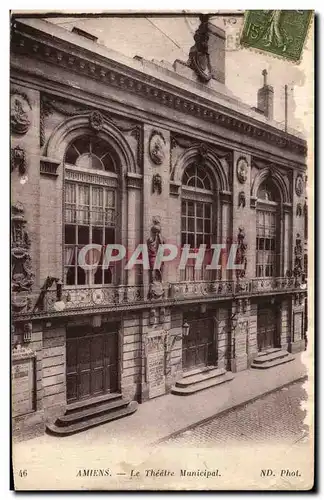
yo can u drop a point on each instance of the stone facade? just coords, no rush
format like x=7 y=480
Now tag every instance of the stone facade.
x=158 y=122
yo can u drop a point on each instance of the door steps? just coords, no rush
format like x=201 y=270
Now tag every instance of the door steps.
x=86 y=414
x=200 y=379
x=271 y=358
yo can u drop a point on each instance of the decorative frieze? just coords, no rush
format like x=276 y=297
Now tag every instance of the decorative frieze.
x=147 y=88
x=90 y=178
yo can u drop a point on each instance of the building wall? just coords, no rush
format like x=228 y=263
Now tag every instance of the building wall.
x=151 y=338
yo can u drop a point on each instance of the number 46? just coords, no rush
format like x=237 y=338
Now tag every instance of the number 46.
x=23 y=473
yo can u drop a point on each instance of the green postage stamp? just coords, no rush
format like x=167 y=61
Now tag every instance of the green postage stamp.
x=281 y=32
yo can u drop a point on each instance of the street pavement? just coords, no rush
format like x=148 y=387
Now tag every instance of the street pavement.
x=278 y=416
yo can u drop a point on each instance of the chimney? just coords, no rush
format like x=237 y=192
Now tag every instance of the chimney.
x=207 y=56
x=265 y=97
x=216 y=50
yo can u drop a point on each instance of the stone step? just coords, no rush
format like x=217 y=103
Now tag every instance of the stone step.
x=89 y=412
x=97 y=400
x=264 y=358
x=272 y=363
x=199 y=377
x=195 y=371
x=270 y=351
x=92 y=422
x=202 y=385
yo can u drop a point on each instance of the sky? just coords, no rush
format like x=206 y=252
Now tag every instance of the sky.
x=170 y=38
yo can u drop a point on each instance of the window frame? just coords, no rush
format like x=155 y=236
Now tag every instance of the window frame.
x=198 y=195
x=93 y=178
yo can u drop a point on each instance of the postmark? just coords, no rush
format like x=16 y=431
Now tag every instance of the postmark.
x=280 y=32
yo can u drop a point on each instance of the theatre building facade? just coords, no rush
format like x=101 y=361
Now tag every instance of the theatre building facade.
x=110 y=150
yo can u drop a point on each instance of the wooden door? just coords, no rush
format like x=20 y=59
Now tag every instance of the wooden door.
x=266 y=332
x=197 y=347
x=91 y=363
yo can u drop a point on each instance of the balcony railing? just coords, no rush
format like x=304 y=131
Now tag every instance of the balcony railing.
x=272 y=284
x=132 y=296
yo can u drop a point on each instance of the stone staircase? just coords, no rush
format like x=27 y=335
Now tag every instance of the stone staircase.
x=96 y=411
x=200 y=379
x=270 y=358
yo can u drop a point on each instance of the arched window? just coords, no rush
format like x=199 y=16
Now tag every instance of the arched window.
x=267 y=231
x=90 y=207
x=196 y=217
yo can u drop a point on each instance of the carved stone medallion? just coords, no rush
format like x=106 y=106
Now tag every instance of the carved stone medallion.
x=242 y=168
x=96 y=121
x=157 y=148
x=20 y=113
x=299 y=186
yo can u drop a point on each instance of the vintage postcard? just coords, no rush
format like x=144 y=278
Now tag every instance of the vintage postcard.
x=162 y=293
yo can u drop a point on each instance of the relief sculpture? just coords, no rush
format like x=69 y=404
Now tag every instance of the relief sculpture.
x=153 y=243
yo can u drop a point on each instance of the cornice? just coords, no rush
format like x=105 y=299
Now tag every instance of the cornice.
x=131 y=80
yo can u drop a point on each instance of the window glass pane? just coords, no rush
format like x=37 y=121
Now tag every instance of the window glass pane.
x=191 y=209
x=207 y=226
x=109 y=236
x=183 y=223
x=200 y=240
x=70 y=276
x=191 y=240
x=200 y=225
x=199 y=210
x=108 y=276
x=191 y=224
x=97 y=236
x=83 y=235
x=98 y=276
x=207 y=210
x=81 y=278
x=70 y=236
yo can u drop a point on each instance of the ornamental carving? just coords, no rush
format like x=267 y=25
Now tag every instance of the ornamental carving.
x=198 y=56
x=22 y=277
x=155 y=275
x=157 y=147
x=18 y=160
x=298 y=251
x=96 y=121
x=242 y=169
x=241 y=253
x=299 y=210
x=157 y=184
x=241 y=199
x=20 y=112
x=299 y=186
